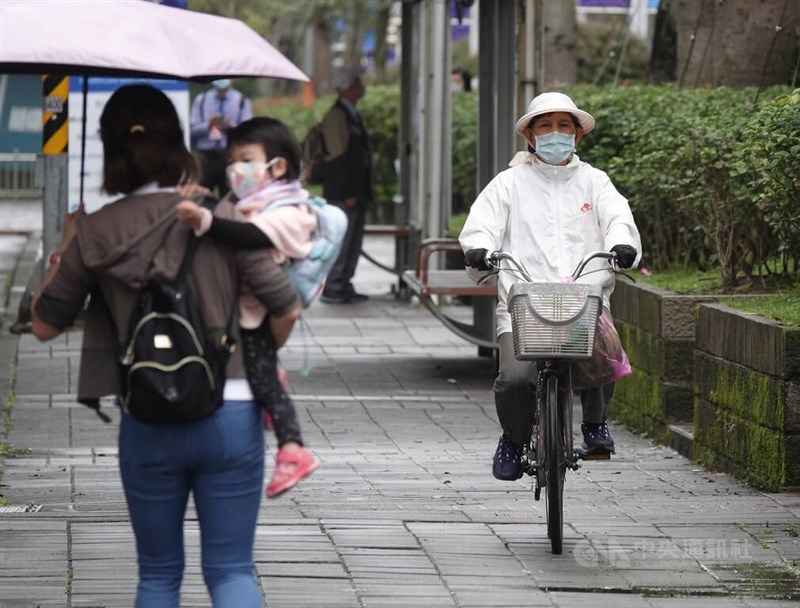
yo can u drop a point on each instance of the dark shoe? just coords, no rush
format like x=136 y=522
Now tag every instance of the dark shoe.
x=334 y=298
x=507 y=465
x=597 y=439
x=354 y=296
x=349 y=297
x=357 y=298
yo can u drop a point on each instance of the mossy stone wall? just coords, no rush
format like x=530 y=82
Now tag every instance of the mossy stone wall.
x=747 y=396
x=657 y=328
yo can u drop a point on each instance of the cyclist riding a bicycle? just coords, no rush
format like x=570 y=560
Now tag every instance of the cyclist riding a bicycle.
x=549 y=209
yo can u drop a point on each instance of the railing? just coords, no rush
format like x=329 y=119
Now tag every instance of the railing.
x=20 y=175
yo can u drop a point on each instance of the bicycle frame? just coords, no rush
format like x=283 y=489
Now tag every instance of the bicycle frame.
x=550 y=451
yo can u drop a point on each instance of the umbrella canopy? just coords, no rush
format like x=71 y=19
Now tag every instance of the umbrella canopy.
x=132 y=38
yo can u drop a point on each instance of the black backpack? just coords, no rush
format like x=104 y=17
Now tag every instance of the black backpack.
x=171 y=370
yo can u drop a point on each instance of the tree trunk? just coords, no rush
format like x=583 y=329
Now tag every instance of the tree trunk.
x=355 y=31
x=735 y=42
x=381 y=27
x=663 y=57
x=321 y=76
x=560 y=33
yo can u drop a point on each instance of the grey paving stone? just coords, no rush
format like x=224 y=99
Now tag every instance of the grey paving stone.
x=404 y=510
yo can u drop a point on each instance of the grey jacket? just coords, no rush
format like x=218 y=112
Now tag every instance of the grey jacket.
x=122 y=244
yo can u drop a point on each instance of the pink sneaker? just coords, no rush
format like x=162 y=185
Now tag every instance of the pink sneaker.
x=290 y=468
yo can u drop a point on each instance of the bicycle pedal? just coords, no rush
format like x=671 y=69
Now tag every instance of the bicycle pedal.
x=583 y=454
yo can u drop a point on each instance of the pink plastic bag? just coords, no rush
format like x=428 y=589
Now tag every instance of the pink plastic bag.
x=609 y=361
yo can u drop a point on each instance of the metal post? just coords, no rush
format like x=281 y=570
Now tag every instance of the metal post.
x=406 y=137
x=505 y=69
x=497 y=88
x=487 y=20
x=55 y=123
x=54 y=203
x=434 y=186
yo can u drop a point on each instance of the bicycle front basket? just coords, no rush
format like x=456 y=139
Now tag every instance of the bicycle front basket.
x=554 y=320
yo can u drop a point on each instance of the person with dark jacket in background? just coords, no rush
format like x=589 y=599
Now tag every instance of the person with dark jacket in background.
x=347 y=180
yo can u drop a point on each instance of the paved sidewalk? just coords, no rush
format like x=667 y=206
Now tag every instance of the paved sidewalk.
x=403 y=511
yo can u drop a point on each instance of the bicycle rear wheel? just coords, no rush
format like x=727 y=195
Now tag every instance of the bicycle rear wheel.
x=555 y=464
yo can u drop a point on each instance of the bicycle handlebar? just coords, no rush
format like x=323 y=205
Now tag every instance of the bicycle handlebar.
x=493 y=259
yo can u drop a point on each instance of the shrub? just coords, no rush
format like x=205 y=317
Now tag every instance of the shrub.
x=769 y=160
x=685 y=160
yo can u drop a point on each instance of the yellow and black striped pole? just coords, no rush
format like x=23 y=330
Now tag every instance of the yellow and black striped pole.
x=55 y=125
x=55 y=114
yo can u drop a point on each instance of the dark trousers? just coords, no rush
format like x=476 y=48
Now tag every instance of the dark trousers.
x=340 y=277
x=515 y=395
x=261 y=365
x=212 y=171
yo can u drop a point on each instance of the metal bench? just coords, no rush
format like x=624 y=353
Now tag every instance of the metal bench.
x=429 y=285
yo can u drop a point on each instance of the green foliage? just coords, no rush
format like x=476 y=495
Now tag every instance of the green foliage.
x=711 y=175
x=461 y=58
x=602 y=50
x=464 y=138
x=380 y=109
x=769 y=160
x=783 y=306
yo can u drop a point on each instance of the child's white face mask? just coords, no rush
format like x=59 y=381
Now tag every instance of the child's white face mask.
x=246 y=178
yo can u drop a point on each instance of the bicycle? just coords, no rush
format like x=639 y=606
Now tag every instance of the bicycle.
x=553 y=323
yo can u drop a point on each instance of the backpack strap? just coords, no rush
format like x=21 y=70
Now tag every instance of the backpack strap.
x=209 y=202
x=188 y=258
x=311 y=201
x=228 y=339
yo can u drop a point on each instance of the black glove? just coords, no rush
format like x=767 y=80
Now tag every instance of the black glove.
x=626 y=255
x=476 y=258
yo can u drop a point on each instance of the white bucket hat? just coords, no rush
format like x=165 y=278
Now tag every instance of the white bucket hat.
x=545 y=103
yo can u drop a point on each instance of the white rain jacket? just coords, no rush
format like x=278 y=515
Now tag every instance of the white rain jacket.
x=549 y=217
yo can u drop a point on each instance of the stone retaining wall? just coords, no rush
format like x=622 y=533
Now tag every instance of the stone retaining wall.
x=747 y=396
x=658 y=331
x=733 y=376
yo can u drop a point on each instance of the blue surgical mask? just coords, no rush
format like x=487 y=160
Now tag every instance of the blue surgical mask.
x=222 y=84
x=555 y=147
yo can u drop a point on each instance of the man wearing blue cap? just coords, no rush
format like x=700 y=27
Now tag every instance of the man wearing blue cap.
x=214 y=112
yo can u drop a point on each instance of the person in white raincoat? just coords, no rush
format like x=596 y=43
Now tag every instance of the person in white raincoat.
x=549 y=209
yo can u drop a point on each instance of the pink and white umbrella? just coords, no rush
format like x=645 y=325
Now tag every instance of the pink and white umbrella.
x=132 y=38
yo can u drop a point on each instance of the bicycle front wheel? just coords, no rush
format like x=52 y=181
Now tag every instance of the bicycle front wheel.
x=555 y=464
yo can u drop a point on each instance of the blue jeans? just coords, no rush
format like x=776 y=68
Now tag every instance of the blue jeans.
x=220 y=459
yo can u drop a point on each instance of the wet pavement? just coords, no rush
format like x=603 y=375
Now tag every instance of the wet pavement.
x=404 y=511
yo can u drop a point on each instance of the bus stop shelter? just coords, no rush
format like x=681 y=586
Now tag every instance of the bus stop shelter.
x=509 y=73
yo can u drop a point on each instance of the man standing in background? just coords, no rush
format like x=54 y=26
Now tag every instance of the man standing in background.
x=347 y=180
x=214 y=112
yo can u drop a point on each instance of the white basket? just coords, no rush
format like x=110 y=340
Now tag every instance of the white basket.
x=554 y=320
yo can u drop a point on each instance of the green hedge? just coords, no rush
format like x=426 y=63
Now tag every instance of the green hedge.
x=713 y=175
